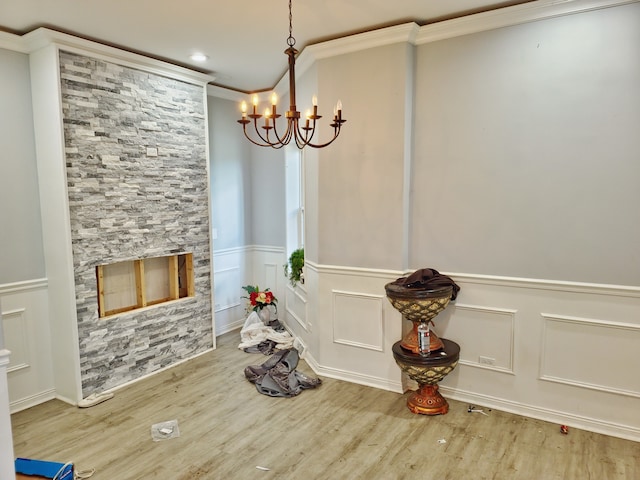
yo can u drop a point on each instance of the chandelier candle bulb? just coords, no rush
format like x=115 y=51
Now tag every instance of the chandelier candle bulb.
x=274 y=98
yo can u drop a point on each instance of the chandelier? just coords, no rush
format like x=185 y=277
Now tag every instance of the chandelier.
x=267 y=135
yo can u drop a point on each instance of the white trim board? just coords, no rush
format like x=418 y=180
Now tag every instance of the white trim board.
x=545 y=414
x=24 y=286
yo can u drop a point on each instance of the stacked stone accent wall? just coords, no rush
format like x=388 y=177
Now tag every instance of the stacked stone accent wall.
x=135 y=146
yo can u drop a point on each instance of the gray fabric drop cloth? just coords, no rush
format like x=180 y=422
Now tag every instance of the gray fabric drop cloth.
x=277 y=377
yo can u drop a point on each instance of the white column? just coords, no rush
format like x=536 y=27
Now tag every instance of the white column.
x=7 y=469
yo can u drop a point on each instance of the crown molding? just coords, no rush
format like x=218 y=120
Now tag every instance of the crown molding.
x=226 y=93
x=405 y=33
x=9 y=41
x=415 y=35
x=44 y=37
x=510 y=16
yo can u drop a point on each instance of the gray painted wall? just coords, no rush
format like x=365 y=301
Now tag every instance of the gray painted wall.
x=231 y=190
x=361 y=175
x=524 y=153
x=268 y=212
x=247 y=183
x=21 y=255
x=527 y=158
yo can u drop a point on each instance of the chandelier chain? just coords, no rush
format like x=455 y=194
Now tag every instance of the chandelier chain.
x=290 y=41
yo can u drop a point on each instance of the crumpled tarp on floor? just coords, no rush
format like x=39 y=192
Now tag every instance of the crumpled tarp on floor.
x=277 y=377
x=256 y=337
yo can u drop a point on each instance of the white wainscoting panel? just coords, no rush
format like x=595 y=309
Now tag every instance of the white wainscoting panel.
x=559 y=367
x=354 y=325
x=485 y=335
x=296 y=306
x=226 y=294
x=357 y=320
x=229 y=275
x=271 y=275
x=25 y=318
x=14 y=326
x=267 y=269
x=604 y=354
x=237 y=267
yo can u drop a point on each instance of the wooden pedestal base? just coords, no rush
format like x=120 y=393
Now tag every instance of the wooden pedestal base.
x=427 y=371
x=427 y=401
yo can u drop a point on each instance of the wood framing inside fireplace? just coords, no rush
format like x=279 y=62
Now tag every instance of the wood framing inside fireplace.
x=134 y=284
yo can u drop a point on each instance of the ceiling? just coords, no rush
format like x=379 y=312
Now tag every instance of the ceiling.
x=244 y=40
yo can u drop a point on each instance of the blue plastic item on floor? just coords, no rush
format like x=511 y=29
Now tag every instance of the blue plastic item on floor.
x=42 y=468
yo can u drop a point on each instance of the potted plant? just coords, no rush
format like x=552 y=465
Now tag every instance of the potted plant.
x=293 y=270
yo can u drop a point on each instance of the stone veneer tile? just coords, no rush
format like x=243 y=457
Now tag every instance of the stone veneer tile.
x=126 y=205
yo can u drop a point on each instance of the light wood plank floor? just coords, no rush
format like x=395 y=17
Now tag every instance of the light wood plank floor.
x=338 y=431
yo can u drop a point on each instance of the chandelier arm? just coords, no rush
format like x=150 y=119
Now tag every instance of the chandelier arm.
x=303 y=138
x=267 y=142
x=336 y=132
x=309 y=134
x=257 y=130
x=290 y=131
x=296 y=136
x=281 y=141
x=276 y=144
x=286 y=133
x=244 y=128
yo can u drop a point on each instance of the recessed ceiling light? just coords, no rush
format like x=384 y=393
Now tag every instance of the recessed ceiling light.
x=198 y=57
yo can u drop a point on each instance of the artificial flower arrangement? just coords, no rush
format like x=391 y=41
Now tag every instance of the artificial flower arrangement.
x=259 y=299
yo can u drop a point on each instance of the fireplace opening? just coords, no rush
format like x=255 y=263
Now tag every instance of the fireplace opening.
x=133 y=284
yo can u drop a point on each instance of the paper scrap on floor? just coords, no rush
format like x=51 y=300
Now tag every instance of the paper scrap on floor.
x=165 y=430
x=255 y=332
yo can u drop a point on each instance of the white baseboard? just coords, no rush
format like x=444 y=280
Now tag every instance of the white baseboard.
x=32 y=400
x=545 y=414
x=360 y=379
x=230 y=327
